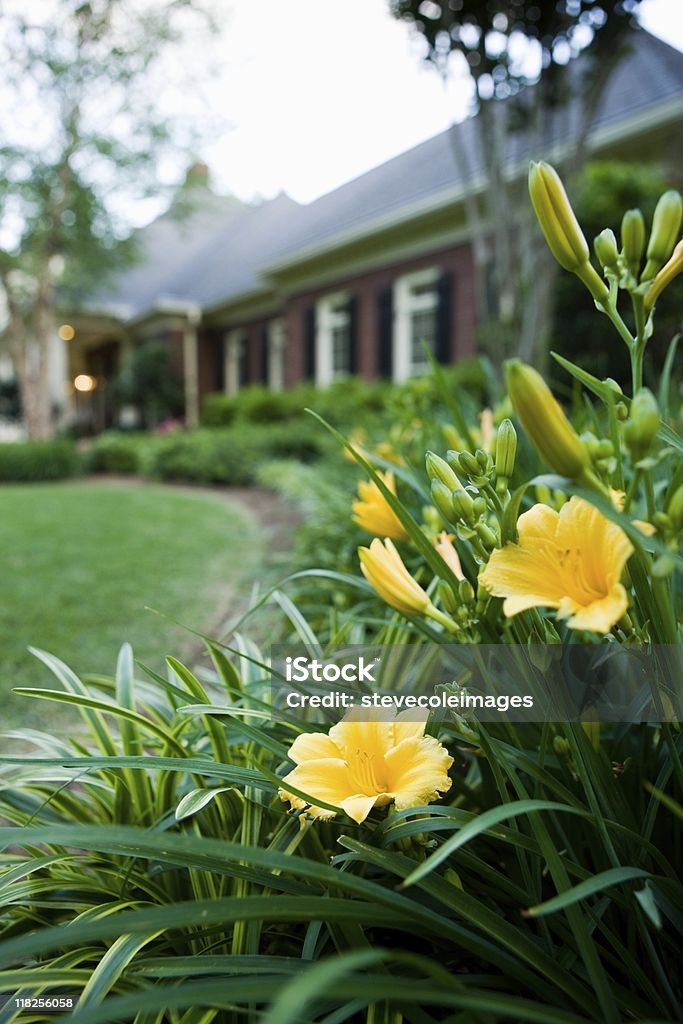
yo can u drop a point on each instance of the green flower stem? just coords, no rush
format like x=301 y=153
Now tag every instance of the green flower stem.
x=650 y=494
x=433 y=612
x=610 y=308
x=632 y=488
x=490 y=493
x=640 y=342
x=616 y=441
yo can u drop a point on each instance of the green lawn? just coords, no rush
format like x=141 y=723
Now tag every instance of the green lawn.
x=82 y=561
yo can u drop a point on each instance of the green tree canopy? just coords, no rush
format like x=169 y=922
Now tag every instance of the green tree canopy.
x=520 y=56
x=84 y=136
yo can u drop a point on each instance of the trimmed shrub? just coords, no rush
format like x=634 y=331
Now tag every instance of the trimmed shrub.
x=232 y=456
x=28 y=461
x=343 y=403
x=113 y=453
x=259 y=405
x=218 y=410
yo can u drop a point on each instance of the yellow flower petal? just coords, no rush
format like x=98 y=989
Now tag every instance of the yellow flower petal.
x=358 y=807
x=417 y=771
x=310 y=746
x=382 y=758
x=571 y=561
x=373 y=512
x=383 y=568
x=328 y=779
x=601 y=615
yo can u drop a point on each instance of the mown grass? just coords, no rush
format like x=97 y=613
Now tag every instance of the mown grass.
x=82 y=561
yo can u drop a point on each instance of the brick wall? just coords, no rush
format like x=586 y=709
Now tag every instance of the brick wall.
x=365 y=288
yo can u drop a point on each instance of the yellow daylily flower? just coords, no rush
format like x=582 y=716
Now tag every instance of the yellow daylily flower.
x=571 y=560
x=367 y=760
x=384 y=570
x=372 y=511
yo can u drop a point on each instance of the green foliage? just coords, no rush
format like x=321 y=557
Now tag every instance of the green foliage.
x=149 y=383
x=231 y=456
x=218 y=410
x=28 y=461
x=159 y=872
x=83 y=71
x=346 y=402
x=605 y=190
x=114 y=453
x=465 y=27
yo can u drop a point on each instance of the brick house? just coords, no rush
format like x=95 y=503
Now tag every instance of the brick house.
x=355 y=282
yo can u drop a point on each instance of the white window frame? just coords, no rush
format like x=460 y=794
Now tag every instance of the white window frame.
x=232 y=342
x=276 y=354
x=405 y=304
x=326 y=317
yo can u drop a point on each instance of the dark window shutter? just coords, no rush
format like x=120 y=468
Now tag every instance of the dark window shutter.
x=264 y=354
x=444 y=323
x=309 y=343
x=353 y=334
x=385 y=332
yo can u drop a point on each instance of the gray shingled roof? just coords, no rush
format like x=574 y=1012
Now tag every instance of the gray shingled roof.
x=222 y=249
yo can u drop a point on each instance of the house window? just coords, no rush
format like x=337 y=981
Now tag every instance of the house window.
x=276 y=355
x=235 y=350
x=333 y=339
x=416 y=302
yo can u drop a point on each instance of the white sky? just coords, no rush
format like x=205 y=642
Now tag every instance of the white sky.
x=314 y=92
x=308 y=94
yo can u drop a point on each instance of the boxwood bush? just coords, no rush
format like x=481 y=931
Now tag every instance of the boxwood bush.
x=343 y=403
x=114 y=453
x=232 y=456
x=26 y=461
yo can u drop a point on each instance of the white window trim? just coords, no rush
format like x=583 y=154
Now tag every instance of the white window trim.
x=405 y=303
x=276 y=354
x=325 y=309
x=231 y=342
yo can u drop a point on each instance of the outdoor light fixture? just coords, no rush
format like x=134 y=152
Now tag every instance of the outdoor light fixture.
x=84 y=382
x=66 y=332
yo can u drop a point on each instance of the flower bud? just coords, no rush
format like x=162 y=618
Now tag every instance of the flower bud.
x=438 y=469
x=546 y=425
x=469 y=464
x=605 y=245
x=463 y=507
x=431 y=519
x=480 y=505
x=484 y=459
x=666 y=225
x=487 y=536
x=441 y=496
x=561 y=228
x=675 y=509
x=561 y=746
x=665 y=276
x=633 y=239
x=506 y=451
x=466 y=592
x=663 y=566
x=447 y=597
x=444 y=545
x=643 y=423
